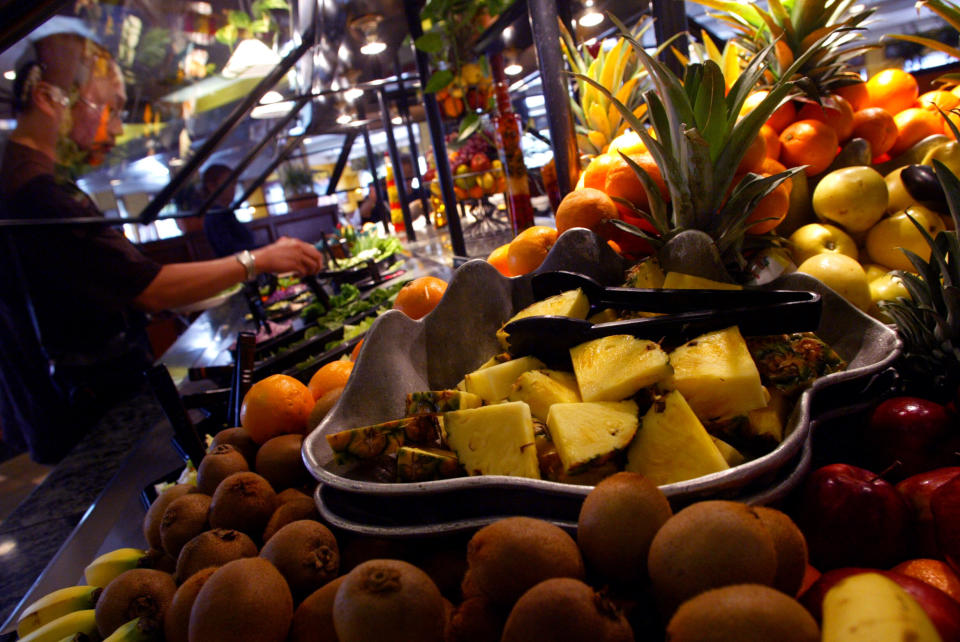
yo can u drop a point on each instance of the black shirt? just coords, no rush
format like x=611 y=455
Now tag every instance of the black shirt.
x=226 y=234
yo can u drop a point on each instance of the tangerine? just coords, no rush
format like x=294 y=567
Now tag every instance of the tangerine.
x=771 y=166
x=945 y=100
x=615 y=247
x=808 y=142
x=595 y=175
x=835 y=111
x=877 y=127
x=277 y=405
x=753 y=158
x=623 y=182
x=498 y=259
x=855 y=94
x=356 y=350
x=418 y=297
x=770 y=210
x=934 y=572
x=893 y=90
x=589 y=208
x=329 y=376
x=772 y=140
x=529 y=248
x=782 y=116
x=913 y=125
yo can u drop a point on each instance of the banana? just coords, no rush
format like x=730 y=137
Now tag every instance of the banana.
x=66 y=626
x=138 y=630
x=56 y=604
x=106 y=567
x=869 y=607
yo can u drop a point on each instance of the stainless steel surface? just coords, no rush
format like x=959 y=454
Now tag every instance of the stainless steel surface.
x=402 y=355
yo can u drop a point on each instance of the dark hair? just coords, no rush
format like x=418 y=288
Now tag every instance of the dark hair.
x=213 y=174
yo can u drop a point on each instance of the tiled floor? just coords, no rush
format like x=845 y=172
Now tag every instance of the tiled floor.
x=18 y=477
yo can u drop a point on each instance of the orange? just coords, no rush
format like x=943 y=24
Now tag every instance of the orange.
x=772 y=140
x=808 y=142
x=770 y=211
x=615 y=246
x=329 y=376
x=595 y=175
x=779 y=119
x=356 y=350
x=893 y=90
x=623 y=182
x=753 y=158
x=915 y=124
x=855 y=94
x=877 y=127
x=417 y=298
x=771 y=166
x=277 y=405
x=589 y=208
x=945 y=100
x=498 y=259
x=933 y=572
x=529 y=248
x=475 y=191
x=834 y=111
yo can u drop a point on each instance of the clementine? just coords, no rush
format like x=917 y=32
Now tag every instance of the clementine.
x=277 y=405
x=915 y=124
x=877 y=127
x=529 y=248
x=770 y=210
x=945 y=100
x=855 y=94
x=329 y=376
x=808 y=142
x=835 y=111
x=595 y=175
x=615 y=246
x=589 y=208
x=782 y=116
x=753 y=158
x=498 y=259
x=417 y=298
x=772 y=140
x=934 y=572
x=356 y=350
x=893 y=90
x=623 y=182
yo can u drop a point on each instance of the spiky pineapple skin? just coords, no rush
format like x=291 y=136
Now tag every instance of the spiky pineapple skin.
x=385 y=438
x=792 y=362
x=426 y=464
x=436 y=401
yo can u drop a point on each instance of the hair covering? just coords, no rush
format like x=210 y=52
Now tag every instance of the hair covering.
x=65 y=60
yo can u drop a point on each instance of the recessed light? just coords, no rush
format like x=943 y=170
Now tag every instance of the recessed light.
x=396 y=120
x=512 y=69
x=591 y=19
x=352 y=94
x=344 y=119
x=10 y=74
x=373 y=47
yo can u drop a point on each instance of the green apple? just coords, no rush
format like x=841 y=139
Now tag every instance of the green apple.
x=815 y=238
x=842 y=274
x=853 y=197
x=886 y=238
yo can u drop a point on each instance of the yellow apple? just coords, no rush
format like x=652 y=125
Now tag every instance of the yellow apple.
x=842 y=274
x=853 y=197
x=815 y=238
x=898 y=198
x=888 y=287
x=874 y=271
x=885 y=239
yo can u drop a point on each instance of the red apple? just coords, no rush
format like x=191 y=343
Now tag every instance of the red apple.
x=945 y=508
x=942 y=610
x=852 y=517
x=916 y=432
x=479 y=162
x=917 y=490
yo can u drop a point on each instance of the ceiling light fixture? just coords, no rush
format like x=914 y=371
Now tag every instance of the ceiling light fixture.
x=591 y=17
x=352 y=94
x=513 y=69
x=271 y=97
x=344 y=119
x=396 y=120
x=513 y=64
x=10 y=74
x=367 y=26
x=251 y=59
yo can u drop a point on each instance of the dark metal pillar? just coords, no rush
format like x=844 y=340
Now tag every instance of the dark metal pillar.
x=556 y=91
x=341 y=162
x=444 y=175
x=670 y=18
x=398 y=177
x=403 y=106
x=380 y=188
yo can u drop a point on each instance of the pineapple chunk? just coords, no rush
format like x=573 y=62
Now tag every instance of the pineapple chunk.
x=672 y=445
x=500 y=357
x=647 y=274
x=681 y=281
x=766 y=424
x=572 y=303
x=730 y=454
x=425 y=464
x=384 y=439
x=613 y=368
x=590 y=434
x=494 y=383
x=440 y=401
x=543 y=388
x=494 y=440
x=605 y=315
x=717 y=376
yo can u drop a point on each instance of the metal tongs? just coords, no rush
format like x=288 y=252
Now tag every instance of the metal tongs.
x=686 y=313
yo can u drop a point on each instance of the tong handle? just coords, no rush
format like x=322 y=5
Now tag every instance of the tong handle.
x=242 y=375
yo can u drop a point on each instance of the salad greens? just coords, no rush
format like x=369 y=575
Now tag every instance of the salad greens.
x=368 y=248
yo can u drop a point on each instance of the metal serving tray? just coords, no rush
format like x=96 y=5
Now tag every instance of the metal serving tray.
x=401 y=355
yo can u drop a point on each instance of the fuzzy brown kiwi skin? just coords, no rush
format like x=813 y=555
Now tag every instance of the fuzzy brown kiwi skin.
x=219 y=463
x=313 y=619
x=288 y=512
x=151 y=522
x=185 y=518
x=291 y=494
x=176 y=621
x=306 y=554
x=212 y=548
x=139 y=592
x=244 y=502
x=279 y=461
x=240 y=439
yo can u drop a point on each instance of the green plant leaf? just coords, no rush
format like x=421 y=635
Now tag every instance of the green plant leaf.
x=430 y=42
x=227 y=34
x=239 y=19
x=468 y=125
x=261 y=25
x=951 y=189
x=929 y=43
x=438 y=80
x=658 y=207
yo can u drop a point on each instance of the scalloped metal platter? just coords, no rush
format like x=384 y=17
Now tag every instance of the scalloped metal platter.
x=400 y=355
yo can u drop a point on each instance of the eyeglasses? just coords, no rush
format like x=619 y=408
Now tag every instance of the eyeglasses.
x=121 y=114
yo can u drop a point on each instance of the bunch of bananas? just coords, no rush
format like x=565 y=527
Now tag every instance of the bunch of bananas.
x=617 y=70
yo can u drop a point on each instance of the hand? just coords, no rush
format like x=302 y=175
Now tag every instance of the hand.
x=288 y=255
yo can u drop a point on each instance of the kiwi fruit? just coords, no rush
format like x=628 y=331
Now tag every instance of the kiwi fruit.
x=290 y=511
x=243 y=501
x=158 y=560
x=280 y=463
x=708 y=545
x=324 y=405
x=511 y=555
x=356 y=549
x=240 y=439
x=185 y=518
x=306 y=554
x=388 y=601
x=218 y=464
x=176 y=621
x=476 y=619
x=151 y=522
x=212 y=548
x=617 y=522
x=290 y=494
x=791 y=548
x=139 y=592
x=742 y=612
x=313 y=619
x=246 y=600
x=564 y=609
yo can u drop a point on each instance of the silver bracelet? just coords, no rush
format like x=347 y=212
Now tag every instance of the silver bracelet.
x=246 y=259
